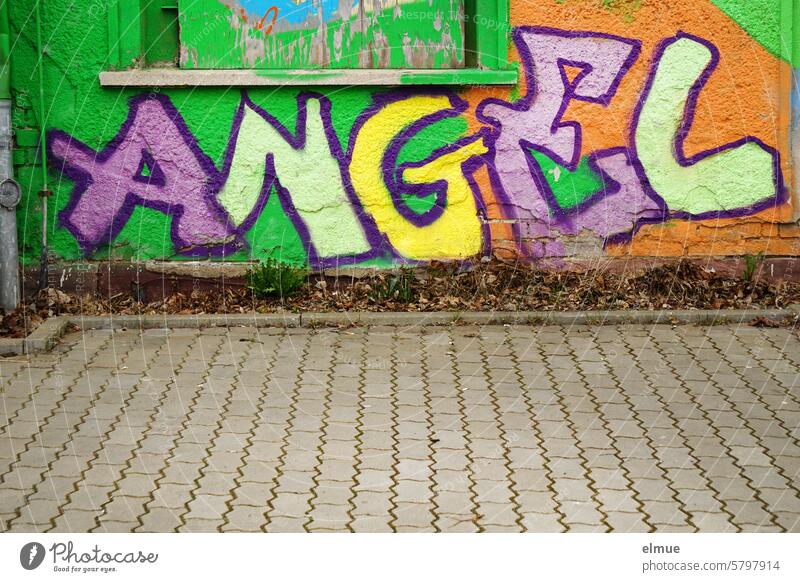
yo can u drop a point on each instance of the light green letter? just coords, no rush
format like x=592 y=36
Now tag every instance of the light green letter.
x=727 y=180
x=311 y=175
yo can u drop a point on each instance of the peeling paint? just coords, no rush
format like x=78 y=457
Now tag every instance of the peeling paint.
x=366 y=34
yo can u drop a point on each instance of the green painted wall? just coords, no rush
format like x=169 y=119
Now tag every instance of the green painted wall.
x=762 y=20
x=78 y=49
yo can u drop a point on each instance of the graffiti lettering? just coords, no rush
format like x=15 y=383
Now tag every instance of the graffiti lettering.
x=305 y=170
x=154 y=140
x=155 y=162
x=451 y=229
x=351 y=205
x=535 y=124
x=734 y=177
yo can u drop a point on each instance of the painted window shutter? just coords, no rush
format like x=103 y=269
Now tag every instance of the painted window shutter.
x=302 y=34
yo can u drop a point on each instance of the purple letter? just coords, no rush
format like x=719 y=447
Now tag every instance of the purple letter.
x=535 y=123
x=153 y=161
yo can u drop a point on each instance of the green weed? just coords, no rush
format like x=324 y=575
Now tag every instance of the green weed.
x=398 y=287
x=751 y=264
x=276 y=279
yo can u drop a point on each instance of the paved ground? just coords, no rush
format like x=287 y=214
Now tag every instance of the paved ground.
x=418 y=429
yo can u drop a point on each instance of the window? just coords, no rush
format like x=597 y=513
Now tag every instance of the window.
x=310 y=34
x=263 y=42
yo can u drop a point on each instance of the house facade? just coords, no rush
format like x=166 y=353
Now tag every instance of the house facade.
x=339 y=134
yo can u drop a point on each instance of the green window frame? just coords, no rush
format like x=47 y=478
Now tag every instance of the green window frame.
x=142 y=33
x=487 y=32
x=144 y=49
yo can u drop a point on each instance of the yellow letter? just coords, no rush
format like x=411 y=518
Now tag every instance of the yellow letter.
x=457 y=232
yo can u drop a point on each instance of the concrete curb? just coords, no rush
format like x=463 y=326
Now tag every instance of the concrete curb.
x=187 y=321
x=47 y=335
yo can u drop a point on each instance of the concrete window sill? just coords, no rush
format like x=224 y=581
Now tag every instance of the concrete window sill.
x=294 y=77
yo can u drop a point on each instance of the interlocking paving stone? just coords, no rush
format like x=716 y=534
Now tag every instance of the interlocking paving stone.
x=286 y=525
x=200 y=526
x=371 y=524
x=543 y=523
x=372 y=503
x=499 y=428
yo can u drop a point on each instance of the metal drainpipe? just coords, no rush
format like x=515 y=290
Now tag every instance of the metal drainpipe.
x=44 y=193
x=9 y=189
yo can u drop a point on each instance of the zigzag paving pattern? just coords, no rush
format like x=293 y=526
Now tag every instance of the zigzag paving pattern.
x=453 y=429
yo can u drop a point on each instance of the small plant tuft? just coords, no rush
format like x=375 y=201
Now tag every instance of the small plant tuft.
x=751 y=263
x=398 y=287
x=276 y=279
